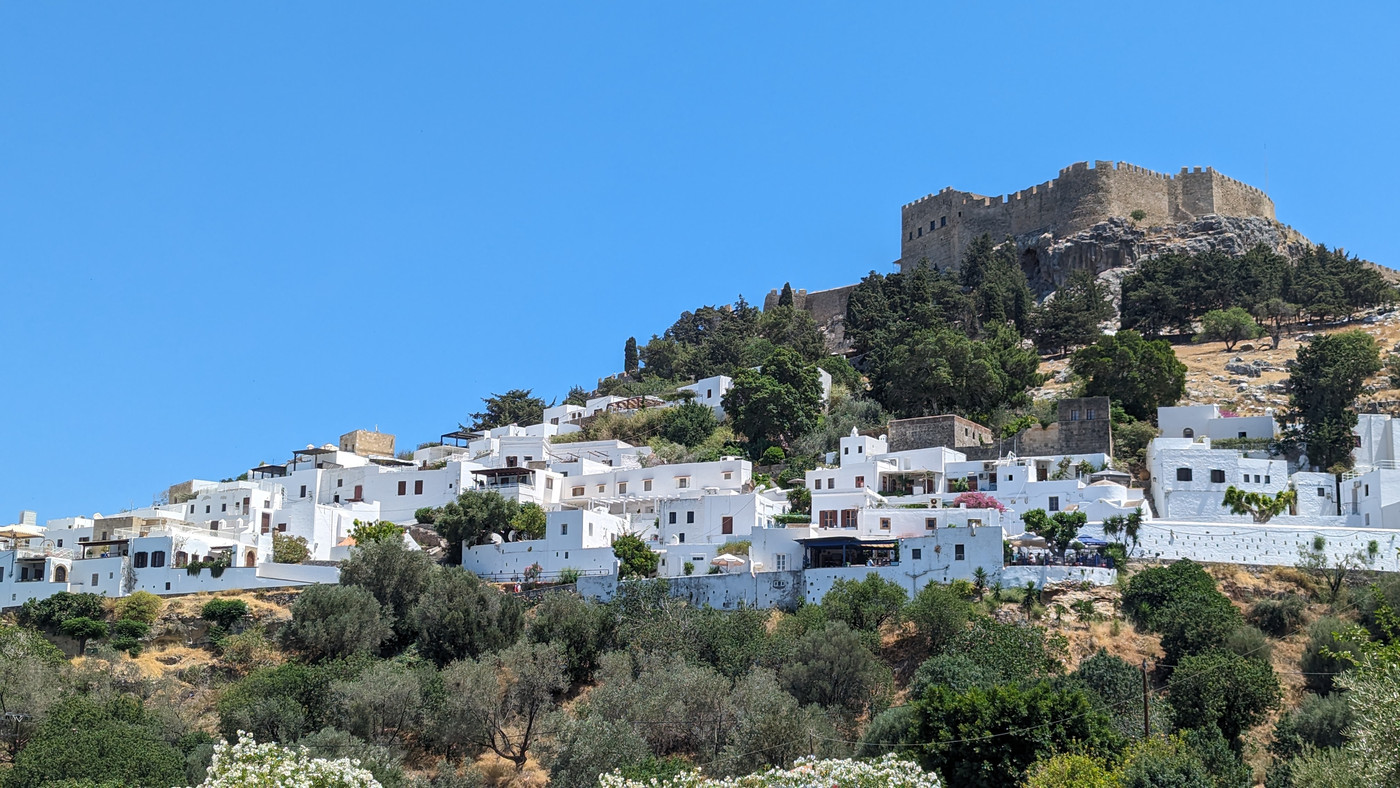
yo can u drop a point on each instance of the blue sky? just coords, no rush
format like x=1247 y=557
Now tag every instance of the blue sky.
x=229 y=230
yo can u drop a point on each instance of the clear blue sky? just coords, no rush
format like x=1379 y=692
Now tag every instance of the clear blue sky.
x=229 y=230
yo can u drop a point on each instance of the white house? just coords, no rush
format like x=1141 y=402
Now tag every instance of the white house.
x=1208 y=421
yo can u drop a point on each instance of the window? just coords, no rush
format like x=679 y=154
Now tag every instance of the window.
x=548 y=483
x=682 y=482
x=1074 y=415
x=139 y=560
x=1183 y=474
x=563 y=529
x=827 y=518
x=1368 y=518
x=339 y=482
x=622 y=488
x=360 y=492
x=830 y=483
x=1266 y=479
x=1089 y=414
x=1242 y=435
x=860 y=449
x=158 y=558
x=1322 y=492
x=709 y=393
x=726 y=525
x=884 y=523
x=206 y=508
x=94 y=580
x=846 y=450
x=335 y=498
x=916 y=554
x=417 y=486
x=945 y=220
x=281 y=528
x=646 y=485
x=602 y=488
x=223 y=507
x=192 y=505
x=860 y=482
x=590 y=531
x=973 y=522
x=1217 y=476
x=958 y=553
x=728 y=475
x=266 y=522
x=816 y=484
x=690 y=517
x=1188 y=433
x=512 y=461
x=681 y=537
x=577 y=492
x=930 y=523
x=1246 y=478
x=780 y=562
x=848 y=518
x=303 y=491
x=1368 y=490
x=403 y=488
x=60 y=542
x=1008 y=477
x=1054 y=503
x=167 y=586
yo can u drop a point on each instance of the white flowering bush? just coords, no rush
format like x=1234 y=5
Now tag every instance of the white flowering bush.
x=248 y=764
x=887 y=772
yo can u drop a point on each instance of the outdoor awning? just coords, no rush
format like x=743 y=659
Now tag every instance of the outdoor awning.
x=847 y=541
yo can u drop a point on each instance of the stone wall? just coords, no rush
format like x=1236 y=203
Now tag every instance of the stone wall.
x=366 y=443
x=1074 y=433
x=938 y=227
x=949 y=431
x=828 y=308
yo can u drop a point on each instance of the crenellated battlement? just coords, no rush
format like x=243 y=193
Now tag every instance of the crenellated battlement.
x=938 y=226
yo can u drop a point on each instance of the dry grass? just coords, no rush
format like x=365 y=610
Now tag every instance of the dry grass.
x=262 y=605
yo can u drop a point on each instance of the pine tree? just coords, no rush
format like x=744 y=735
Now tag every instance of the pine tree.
x=629 y=356
x=785 y=299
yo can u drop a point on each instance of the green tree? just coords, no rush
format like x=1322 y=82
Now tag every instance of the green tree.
x=459 y=616
x=1223 y=690
x=1152 y=591
x=502 y=702
x=376 y=531
x=777 y=404
x=139 y=606
x=31 y=682
x=1059 y=529
x=792 y=328
x=634 y=557
x=1001 y=295
x=105 y=743
x=224 y=613
x=942 y=370
x=529 y=521
x=579 y=629
x=1143 y=375
x=1261 y=506
x=864 y=605
x=1068 y=770
x=48 y=614
x=335 y=621
x=1230 y=326
x=513 y=407
x=629 y=358
x=472 y=518
x=385 y=703
x=394 y=574
x=1323 y=383
x=689 y=424
x=1273 y=315
x=832 y=668
x=1071 y=317
x=1196 y=624
x=83 y=629
x=287 y=549
x=962 y=735
x=785 y=297
x=1128 y=526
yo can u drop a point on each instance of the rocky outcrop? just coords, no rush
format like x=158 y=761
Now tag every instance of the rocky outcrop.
x=1121 y=243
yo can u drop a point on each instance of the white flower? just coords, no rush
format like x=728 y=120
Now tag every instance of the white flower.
x=887 y=772
x=248 y=764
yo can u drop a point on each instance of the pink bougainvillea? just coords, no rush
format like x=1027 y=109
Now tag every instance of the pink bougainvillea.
x=978 y=500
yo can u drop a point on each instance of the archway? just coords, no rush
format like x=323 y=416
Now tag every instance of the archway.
x=1188 y=433
x=251 y=559
x=60 y=574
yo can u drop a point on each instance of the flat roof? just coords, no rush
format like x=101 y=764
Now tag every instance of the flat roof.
x=511 y=471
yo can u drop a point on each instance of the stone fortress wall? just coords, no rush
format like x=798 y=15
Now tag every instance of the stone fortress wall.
x=938 y=227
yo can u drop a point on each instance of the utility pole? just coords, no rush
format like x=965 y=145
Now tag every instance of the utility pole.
x=1146 y=719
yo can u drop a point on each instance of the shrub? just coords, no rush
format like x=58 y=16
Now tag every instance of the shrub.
x=425 y=515
x=1320 y=721
x=83 y=629
x=394 y=573
x=127 y=634
x=249 y=763
x=374 y=531
x=1249 y=643
x=139 y=606
x=1319 y=668
x=460 y=616
x=635 y=558
x=832 y=668
x=939 y=614
x=95 y=743
x=49 y=613
x=577 y=627
x=1153 y=590
x=224 y=613
x=1195 y=625
x=773 y=455
x=288 y=549
x=569 y=576
x=689 y=424
x=864 y=605
x=689 y=568
x=335 y=621
x=1278 y=617
x=1222 y=690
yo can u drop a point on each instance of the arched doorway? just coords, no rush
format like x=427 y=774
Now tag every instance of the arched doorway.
x=60 y=574
x=1188 y=433
x=251 y=559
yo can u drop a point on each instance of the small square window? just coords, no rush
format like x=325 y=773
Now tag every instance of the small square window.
x=1266 y=480
x=576 y=492
x=1074 y=415
x=916 y=554
x=646 y=485
x=884 y=523
x=339 y=482
x=1217 y=476
x=622 y=488
x=930 y=523
x=816 y=484
x=728 y=475
x=958 y=553
x=671 y=518
x=860 y=481
x=602 y=488
x=1256 y=478
x=1322 y=492
x=1183 y=474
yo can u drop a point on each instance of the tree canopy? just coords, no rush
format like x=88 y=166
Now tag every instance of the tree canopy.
x=1141 y=374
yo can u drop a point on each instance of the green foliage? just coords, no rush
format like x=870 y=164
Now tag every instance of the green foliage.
x=1013 y=652
x=31 y=681
x=1230 y=326
x=709 y=341
x=1115 y=687
x=688 y=424
x=513 y=407
x=381 y=761
x=630 y=359
x=832 y=668
x=459 y=616
x=425 y=515
x=127 y=634
x=472 y=518
x=499 y=702
x=1059 y=529
x=1162 y=762
x=48 y=613
x=793 y=329
x=1332 y=644
x=1323 y=383
x=107 y=743
x=1069 y=770
x=288 y=549
x=285 y=702
x=1128 y=526
x=329 y=622
x=1153 y=590
x=773 y=455
x=1071 y=317
x=939 y=614
x=394 y=573
x=529 y=521
x=776 y=404
x=384 y=703
x=1278 y=617
x=1261 y=506
x=83 y=629
x=1249 y=642
x=139 y=606
x=1223 y=690
x=1196 y=625
x=376 y=531
x=578 y=629
x=958 y=672
x=962 y=735
x=943 y=370
x=224 y=613
x=864 y=605
x=637 y=559
x=1138 y=215
x=1319 y=721
x=842 y=373
x=1142 y=375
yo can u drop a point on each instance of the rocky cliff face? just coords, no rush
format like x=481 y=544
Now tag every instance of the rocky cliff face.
x=1119 y=243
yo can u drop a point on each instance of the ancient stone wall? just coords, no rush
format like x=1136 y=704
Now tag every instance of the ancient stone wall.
x=938 y=227
x=950 y=431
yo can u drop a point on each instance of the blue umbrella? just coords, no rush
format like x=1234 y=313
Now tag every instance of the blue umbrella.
x=1089 y=541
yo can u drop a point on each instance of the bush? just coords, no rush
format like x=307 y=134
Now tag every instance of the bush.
x=1249 y=643
x=1222 y=690
x=139 y=606
x=111 y=743
x=126 y=635
x=864 y=605
x=577 y=627
x=689 y=424
x=1152 y=590
x=773 y=455
x=939 y=615
x=1320 y=669
x=1278 y=617
x=289 y=549
x=394 y=573
x=1320 y=721
x=460 y=616
x=1196 y=625
x=635 y=558
x=832 y=668
x=335 y=621
x=425 y=515
x=224 y=613
x=49 y=613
